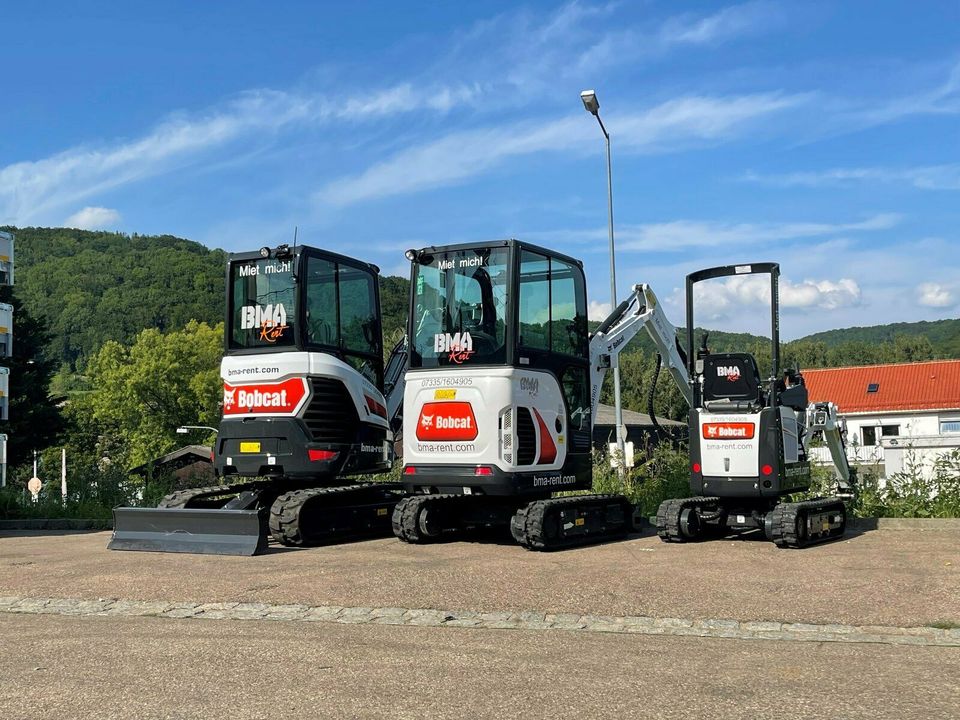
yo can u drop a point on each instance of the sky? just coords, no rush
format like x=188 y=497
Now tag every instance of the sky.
x=824 y=136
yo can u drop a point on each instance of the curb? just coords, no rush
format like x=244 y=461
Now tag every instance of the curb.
x=533 y=620
x=56 y=524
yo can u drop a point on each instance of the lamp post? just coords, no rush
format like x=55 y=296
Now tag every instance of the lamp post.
x=184 y=429
x=592 y=106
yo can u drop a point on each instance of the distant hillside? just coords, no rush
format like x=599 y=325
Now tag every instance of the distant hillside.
x=97 y=286
x=944 y=335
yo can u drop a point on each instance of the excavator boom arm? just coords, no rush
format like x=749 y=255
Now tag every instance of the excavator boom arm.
x=640 y=311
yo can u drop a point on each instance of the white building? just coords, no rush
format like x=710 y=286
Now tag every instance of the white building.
x=6 y=258
x=897 y=414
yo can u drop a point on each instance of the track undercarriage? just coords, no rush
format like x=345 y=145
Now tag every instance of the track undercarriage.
x=240 y=518
x=543 y=524
x=786 y=524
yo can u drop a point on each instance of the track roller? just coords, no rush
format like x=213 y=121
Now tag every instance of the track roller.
x=317 y=516
x=800 y=524
x=680 y=520
x=570 y=521
x=424 y=518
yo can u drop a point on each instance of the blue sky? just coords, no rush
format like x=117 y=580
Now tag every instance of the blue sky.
x=821 y=135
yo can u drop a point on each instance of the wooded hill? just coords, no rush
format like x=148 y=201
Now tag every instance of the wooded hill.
x=91 y=287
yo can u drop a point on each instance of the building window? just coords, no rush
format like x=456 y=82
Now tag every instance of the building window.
x=950 y=426
x=869 y=435
x=873 y=387
x=890 y=430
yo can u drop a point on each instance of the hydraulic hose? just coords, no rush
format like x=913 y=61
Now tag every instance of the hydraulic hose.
x=661 y=433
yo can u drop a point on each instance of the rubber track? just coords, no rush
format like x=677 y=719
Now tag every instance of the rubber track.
x=668 y=516
x=528 y=527
x=181 y=498
x=406 y=516
x=784 y=522
x=285 y=512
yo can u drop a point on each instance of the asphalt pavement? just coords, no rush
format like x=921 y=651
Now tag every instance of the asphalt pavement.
x=383 y=629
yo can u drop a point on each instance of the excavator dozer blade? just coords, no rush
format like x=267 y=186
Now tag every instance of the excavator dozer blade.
x=187 y=530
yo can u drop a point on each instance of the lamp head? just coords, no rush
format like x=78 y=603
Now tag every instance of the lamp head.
x=590 y=102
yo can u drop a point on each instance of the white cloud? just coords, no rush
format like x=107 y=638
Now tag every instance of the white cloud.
x=684 y=30
x=721 y=298
x=598 y=310
x=729 y=22
x=935 y=295
x=30 y=191
x=681 y=234
x=931 y=177
x=825 y=294
x=94 y=218
x=451 y=159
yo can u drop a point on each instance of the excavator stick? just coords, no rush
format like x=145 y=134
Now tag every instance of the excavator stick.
x=202 y=531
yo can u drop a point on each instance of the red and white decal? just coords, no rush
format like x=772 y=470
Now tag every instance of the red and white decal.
x=548 y=448
x=283 y=398
x=728 y=431
x=375 y=407
x=447 y=421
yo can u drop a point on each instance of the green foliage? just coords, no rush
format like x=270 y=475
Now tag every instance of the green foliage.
x=394 y=302
x=659 y=474
x=915 y=492
x=144 y=392
x=92 y=287
x=943 y=335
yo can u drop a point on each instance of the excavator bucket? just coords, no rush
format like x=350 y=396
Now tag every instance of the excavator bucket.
x=187 y=530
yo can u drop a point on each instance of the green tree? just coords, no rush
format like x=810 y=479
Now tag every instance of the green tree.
x=35 y=421
x=912 y=348
x=142 y=393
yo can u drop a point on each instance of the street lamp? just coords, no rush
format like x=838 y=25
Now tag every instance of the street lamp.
x=592 y=106
x=184 y=429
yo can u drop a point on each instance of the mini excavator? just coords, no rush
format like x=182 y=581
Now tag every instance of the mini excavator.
x=308 y=404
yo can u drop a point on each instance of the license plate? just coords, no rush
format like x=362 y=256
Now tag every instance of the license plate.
x=249 y=447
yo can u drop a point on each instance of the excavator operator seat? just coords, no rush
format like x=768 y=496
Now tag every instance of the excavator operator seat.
x=731 y=381
x=795 y=397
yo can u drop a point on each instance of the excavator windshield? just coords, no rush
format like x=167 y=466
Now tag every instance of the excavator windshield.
x=460 y=308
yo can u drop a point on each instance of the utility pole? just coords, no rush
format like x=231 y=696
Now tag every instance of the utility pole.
x=592 y=106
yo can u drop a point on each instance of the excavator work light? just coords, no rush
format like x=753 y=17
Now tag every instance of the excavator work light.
x=264 y=252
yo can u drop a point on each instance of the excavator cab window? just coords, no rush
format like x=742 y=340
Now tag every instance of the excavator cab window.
x=341 y=314
x=553 y=306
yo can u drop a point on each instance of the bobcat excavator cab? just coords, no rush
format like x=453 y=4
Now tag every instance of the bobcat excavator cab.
x=748 y=442
x=303 y=406
x=502 y=385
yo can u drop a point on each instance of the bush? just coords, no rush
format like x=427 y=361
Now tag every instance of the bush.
x=658 y=474
x=912 y=493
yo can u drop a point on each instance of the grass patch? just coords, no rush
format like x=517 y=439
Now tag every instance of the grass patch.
x=945 y=625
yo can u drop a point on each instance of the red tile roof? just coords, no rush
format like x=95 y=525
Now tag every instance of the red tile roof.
x=931 y=385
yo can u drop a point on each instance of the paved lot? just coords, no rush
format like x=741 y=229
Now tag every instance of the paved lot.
x=898 y=578
x=106 y=667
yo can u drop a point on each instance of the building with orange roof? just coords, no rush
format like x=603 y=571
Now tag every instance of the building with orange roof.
x=895 y=413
